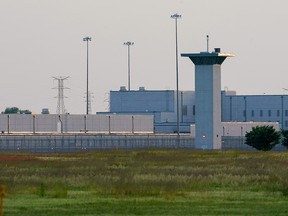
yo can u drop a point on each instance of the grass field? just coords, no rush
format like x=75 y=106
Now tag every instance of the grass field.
x=146 y=182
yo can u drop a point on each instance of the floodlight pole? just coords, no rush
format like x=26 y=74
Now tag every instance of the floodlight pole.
x=128 y=44
x=207 y=38
x=176 y=17
x=87 y=39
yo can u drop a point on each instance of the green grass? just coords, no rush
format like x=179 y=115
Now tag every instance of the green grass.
x=146 y=182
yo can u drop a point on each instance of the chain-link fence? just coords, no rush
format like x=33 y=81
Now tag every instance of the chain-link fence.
x=68 y=143
x=75 y=143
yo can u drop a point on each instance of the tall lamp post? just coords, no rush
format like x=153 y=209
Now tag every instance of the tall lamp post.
x=176 y=17
x=87 y=39
x=128 y=44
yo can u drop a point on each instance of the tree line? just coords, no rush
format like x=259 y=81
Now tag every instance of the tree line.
x=16 y=110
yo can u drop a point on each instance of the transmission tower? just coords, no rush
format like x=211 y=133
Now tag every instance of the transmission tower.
x=107 y=100
x=60 y=97
x=89 y=102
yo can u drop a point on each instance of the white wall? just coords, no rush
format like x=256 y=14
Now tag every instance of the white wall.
x=20 y=123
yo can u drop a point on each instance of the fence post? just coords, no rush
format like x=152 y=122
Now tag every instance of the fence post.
x=8 y=124
x=109 y=124
x=132 y=124
x=33 y=124
x=85 y=124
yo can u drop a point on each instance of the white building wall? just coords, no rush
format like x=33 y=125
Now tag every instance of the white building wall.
x=239 y=128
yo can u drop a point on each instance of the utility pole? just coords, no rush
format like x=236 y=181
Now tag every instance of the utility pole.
x=176 y=17
x=90 y=96
x=87 y=39
x=128 y=44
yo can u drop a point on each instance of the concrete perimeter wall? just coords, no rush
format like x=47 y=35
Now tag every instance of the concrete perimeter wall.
x=24 y=123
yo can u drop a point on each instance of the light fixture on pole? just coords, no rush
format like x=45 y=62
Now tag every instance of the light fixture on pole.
x=176 y=17
x=87 y=39
x=207 y=38
x=128 y=44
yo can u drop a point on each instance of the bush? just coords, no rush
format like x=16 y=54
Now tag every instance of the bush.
x=263 y=138
x=285 y=138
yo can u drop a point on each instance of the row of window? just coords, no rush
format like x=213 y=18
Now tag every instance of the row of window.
x=269 y=113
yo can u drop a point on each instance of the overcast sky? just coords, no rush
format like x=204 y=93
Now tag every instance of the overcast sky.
x=44 y=38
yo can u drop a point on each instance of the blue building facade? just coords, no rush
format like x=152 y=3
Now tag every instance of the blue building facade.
x=255 y=108
x=162 y=104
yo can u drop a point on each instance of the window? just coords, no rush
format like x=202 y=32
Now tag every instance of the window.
x=278 y=113
x=261 y=113
x=286 y=123
x=252 y=113
x=286 y=112
x=244 y=113
x=193 y=110
x=269 y=113
x=184 y=110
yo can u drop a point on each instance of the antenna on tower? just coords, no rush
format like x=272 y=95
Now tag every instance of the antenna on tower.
x=60 y=97
x=207 y=37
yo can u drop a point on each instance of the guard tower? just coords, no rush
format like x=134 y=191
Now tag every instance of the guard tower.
x=208 y=97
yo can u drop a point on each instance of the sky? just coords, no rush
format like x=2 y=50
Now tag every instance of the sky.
x=44 y=38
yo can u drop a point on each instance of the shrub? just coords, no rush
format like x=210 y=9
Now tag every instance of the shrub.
x=263 y=138
x=285 y=138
